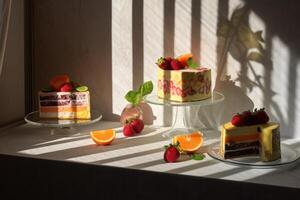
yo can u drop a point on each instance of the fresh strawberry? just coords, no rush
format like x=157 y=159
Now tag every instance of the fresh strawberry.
x=248 y=118
x=237 y=120
x=176 y=65
x=58 y=81
x=128 y=130
x=163 y=63
x=66 y=87
x=171 y=154
x=246 y=114
x=169 y=59
x=261 y=116
x=137 y=125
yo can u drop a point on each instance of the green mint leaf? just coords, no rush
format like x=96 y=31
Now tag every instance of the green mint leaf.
x=146 y=88
x=194 y=65
x=196 y=156
x=166 y=146
x=131 y=96
x=135 y=97
x=191 y=63
x=138 y=98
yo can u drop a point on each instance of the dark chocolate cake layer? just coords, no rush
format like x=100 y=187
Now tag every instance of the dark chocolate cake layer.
x=234 y=146
x=71 y=96
x=242 y=152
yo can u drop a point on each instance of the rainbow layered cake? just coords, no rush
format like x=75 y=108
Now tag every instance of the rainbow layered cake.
x=64 y=100
x=250 y=133
x=182 y=80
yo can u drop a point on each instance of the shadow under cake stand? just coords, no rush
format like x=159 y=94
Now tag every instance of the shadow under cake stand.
x=179 y=126
x=66 y=126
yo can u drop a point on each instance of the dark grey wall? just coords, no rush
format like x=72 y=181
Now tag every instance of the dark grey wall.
x=12 y=99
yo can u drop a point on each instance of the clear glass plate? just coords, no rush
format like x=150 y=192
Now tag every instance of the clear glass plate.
x=34 y=119
x=288 y=156
x=215 y=98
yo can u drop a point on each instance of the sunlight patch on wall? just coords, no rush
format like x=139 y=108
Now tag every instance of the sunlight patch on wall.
x=208 y=56
x=153 y=46
x=279 y=80
x=233 y=4
x=183 y=27
x=121 y=52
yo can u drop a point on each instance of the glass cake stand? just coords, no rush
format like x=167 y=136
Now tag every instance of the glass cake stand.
x=288 y=156
x=179 y=126
x=62 y=126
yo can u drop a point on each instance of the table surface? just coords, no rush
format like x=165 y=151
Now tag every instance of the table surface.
x=142 y=152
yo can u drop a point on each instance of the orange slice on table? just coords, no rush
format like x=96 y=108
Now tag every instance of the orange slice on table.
x=103 y=137
x=189 y=142
x=184 y=58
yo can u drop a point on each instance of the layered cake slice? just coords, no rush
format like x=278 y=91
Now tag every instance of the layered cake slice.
x=182 y=80
x=64 y=100
x=239 y=141
x=251 y=134
x=64 y=105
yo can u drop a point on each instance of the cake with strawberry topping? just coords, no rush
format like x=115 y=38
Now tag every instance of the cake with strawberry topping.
x=64 y=99
x=182 y=80
x=251 y=133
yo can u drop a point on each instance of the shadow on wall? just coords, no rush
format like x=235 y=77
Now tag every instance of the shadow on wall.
x=237 y=39
x=281 y=20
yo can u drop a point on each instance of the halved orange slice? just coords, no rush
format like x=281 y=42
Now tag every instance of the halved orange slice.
x=184 y=58
x=189 y=142
x=103 y=137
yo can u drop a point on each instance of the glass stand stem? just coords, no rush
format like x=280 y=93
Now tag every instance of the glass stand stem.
x=179 y=125
x=65 y=131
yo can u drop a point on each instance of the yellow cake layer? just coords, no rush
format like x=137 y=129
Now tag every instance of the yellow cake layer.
x=63 y=108
x=84 y=114
x=184 y=85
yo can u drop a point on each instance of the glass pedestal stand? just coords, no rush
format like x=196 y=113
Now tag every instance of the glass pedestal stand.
x=179 y=122
x=67 y=127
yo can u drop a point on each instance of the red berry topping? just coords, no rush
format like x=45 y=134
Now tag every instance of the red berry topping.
x=171 y=154
x=164 y=63
x=169 y=59
x=66 y=87
x=128 y=130
x=137 y=125
x=237 y=120
x=176 y=65
x=261 y=116
x=248 y=118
